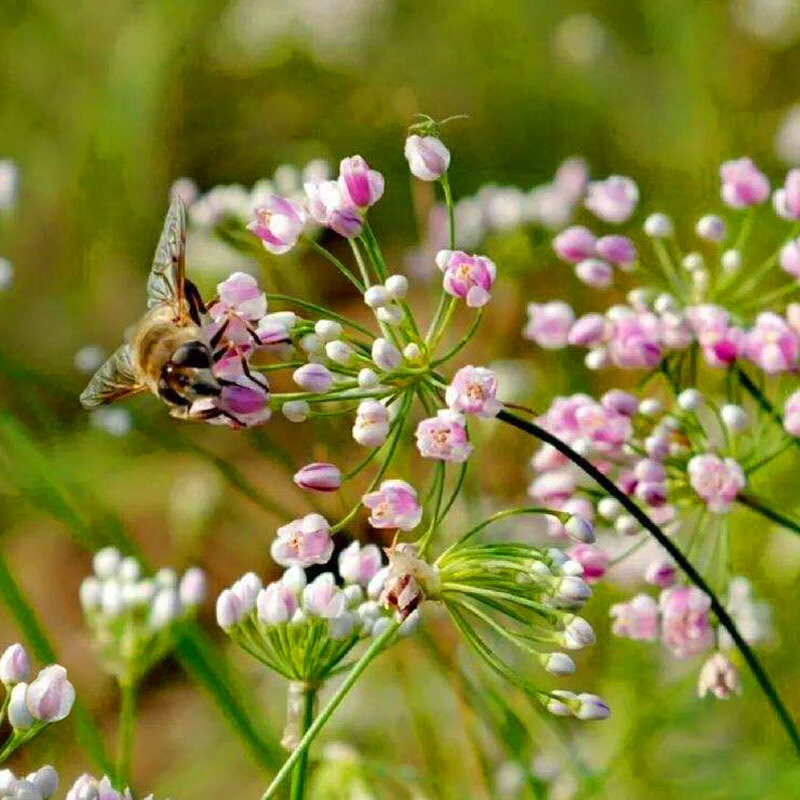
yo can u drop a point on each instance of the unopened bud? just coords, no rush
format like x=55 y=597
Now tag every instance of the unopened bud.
x=296 y=410
x=193 y=587
x=385 y=355
x=592 y=707
x=578 y=633
x=14 y=665
x=731 y=261
x=396 y=286
x=376 y=297
x=106 y=562
x=712 y=228
x=319 y=477
x=558 y=663
x=391 y=315
x=340 y=352
x=734 y=417
x=579 y=529
x=412 y=353
x=327 y=330
x=367 y=378
x=658 y=226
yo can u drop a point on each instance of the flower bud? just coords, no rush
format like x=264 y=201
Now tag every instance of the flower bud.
x=14 y=665
x=579 y=529
x=276 y=604
x=573 y=589
x=592 y=707
x=597 y=358
x=390 y=315
x=650 y=407
x=319 y=477
x=731 y=261
x=327 y=330
x=626 y=525
x=712 y=228
x=353 y=595
x=558 y=663
x=229 y=609
x=45 y=780
x=106 y=562
x=595 y=272
x=295 y=579
x=376 y=297
x=376 y=585
x=561 y=705
x=19 y=715
x=396 y=286
x=734 y=417
x=315 y=378
x=660 y=573
x=658 y=226
x=575 y=244
x=665 y=304
x=311 y=343
x=340 y=352
x=578 y=633
x=193 y=587
x=166 y=576
x=90 y=593
x=50 y=696
x=428 y=158
x=720 y=677
x=412 y=353
x=385 y=355
x=367 y=378
x=112 y=601
x=166 y=608
x=692 y=262
x=609 y=508
x=372 y=424
x=296 y=410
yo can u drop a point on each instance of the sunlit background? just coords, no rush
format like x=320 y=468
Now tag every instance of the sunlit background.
x=103 y=105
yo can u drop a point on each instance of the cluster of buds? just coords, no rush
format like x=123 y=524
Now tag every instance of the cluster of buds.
x=528 y=596
x=133 y=618
x=303 y=630
x=39 y=785
x=31 y=706
x=89 y=788
x=709 y=298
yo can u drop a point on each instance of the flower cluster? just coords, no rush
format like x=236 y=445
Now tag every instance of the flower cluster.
x=39 y=785
x=132 y=618
x=31 y=706
x=718 y=301
x=89 y=788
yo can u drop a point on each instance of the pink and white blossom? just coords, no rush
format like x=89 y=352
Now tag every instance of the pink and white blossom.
x=743 y=184
x=372 y=423
x=549 y=324
x=575 y=244
x=685 y=622
x=474 y=391
x=278 y=223
x=613 y=200
x=618 y=250
x=319 y=477
x=593 y=560
x=719 y=677
x=467 y=277
x=323 y=598
x=394 y=505
x=303 y=542
x=718 y=481
x=50 y=695
x=276 y=604
x=636 y=619
x=444 y=437
x=328 y=207
x=772 y=344
x=360 y=186
x=428 y=158
x=360 y=563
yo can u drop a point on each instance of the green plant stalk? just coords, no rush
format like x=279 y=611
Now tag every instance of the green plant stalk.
x=355 y=673
x=127 y=721
x=336 y=263
x=754 y=504
x=760 y=398
x=300 y=771
x=680 y=559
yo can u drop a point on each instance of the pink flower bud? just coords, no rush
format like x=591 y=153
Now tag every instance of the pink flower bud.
x=323 y=598
x=50 y=696
x=428 y=158
x=575 y=244
x=467 y=277
x=372 y=424
x=394 y=505
x=193 y=587
x=618 y=250
x=549 y=324
x=787 y=199
x=229 y=609
x=620 y=402
x=360 y=186
x=743 y=184
x=359 y=565
x=319 y=477
x=593 y=560
x=661 y=573
x=474 y=391
x=315 y=378
x=14 y=665
x=276 y=604
x=303 y=542
x=587 y=331
x=278 y=223
x=594 y=272
x=612 y=200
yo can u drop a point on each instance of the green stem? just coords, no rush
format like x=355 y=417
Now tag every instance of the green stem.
x=761 y=399
x=336 y=263
x=362 y=267
x=327 y=313
x=300 y=771
x=754 y=504
x=127 y=718
x=369 y=656
x=677 y=555
x=451 y=216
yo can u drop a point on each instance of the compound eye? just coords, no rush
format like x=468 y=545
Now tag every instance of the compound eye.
x=192 y=354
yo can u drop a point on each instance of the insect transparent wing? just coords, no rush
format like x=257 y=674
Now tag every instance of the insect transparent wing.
x=165 y=284
x=113 y=381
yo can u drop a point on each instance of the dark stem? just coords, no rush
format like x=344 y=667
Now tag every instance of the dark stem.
x=680 y=559
x=756 y=505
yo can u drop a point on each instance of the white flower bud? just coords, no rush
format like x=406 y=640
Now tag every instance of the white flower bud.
x=296 y=410
x=693 y=261
x=626 y=525
x=246 y=590
x=577 y=633
x=557 y=557
x=166 y=608
x=609 y=508
x=649 y=407
x=572 y=567
x=638 y=297
x=45 y=780
x=368 y=612
x=597 y=358
x=396 y=286
x=372 y=424
x=658 y=226
x=341 y=626
x=385 y=355
x=19 y=715
x=90 y=593
x=367 y=378
x=376 y=297
x=690 y=400
x=193 y=587
x=229 y=609
x=390 y=315
x=712 y=228
x=573 y=589
x=379 y=626
x=327 y=330
x=294 y=579
x=340 y=352
x=734 y=417
x=106 y=562
x=375 y=586
x=410 y=624
x=129 y=569
x=731 y=261
x=166 y=576
x=353 y=595
x=14 y=665
x=561 y=704
x=592 y=707
x=665 y=303
x=558 y=663
x=112 y=600
x=412 y=353
x=579 y=529
x=311 y=343
x=700 y=279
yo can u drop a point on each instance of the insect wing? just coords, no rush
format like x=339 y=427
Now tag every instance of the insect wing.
x=165 y=286
x=113 y=381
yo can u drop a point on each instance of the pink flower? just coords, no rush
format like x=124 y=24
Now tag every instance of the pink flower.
x=50 y=696
x=323 y=598
x=635 y=341
x=720 y=677
x=660 y=573
x=467 y=277
x=553 y=488
x=244 y=405
x=549 y=324
x=619 y=250
x=359 y=564
x=394 y=505
x=612 y=200
x=360 y=186
x=620 y=402
x=772 y=344
x=315 y=378
x=571 y=178
x=444 y=437
x=587 y=331
x=595 y=272
x=372 y=423
x=685 y=624
x=327 y=206
x=722 y=343
x=428 y=158
x=743 y=184
x=593 y=560
x=790 y=256
x=637 y=619
x=303 y=542
x=787 y=199
x=276 y=604
x=716 y=480
x=474 y=391
x=791 y=414
x=239 y=295
x=575 y=244
x=278 y=223
x=319 y=477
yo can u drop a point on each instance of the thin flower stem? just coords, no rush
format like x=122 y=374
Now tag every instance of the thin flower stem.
x=760 y=398
x=336 y=263
x=325 y=312
x=127 y=718
x=362 y=267
x=355 y=673
x=755 y=504
x=300 y=771
x=451 y=214
x=374 y=249
x=449 y=310
x=677 y=555
x=463 y=343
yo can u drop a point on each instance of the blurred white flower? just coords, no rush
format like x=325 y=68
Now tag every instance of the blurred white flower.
x=775 y=22
x=9 y=183
x=579 y=39
x=89 y=358
x=787 y=137
x=116 y=421
x=6 y=274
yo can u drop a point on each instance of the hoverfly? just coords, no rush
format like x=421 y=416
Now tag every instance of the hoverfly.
x=168 y=353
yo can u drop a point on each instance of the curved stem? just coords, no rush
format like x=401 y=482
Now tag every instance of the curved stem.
x=754 y=504
x=372 y=652
x=300 y=771
x=680 y=559
x=127 y=716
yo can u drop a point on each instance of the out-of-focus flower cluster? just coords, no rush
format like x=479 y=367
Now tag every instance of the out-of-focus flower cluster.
x=39 y=785
x=132 y=618
x=89 y=788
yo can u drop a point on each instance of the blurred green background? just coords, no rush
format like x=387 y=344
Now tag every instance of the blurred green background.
x=104 y=104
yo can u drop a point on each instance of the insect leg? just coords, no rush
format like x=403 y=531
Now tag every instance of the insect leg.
x=259 y=381
x=197 y=308
x=215 y=339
